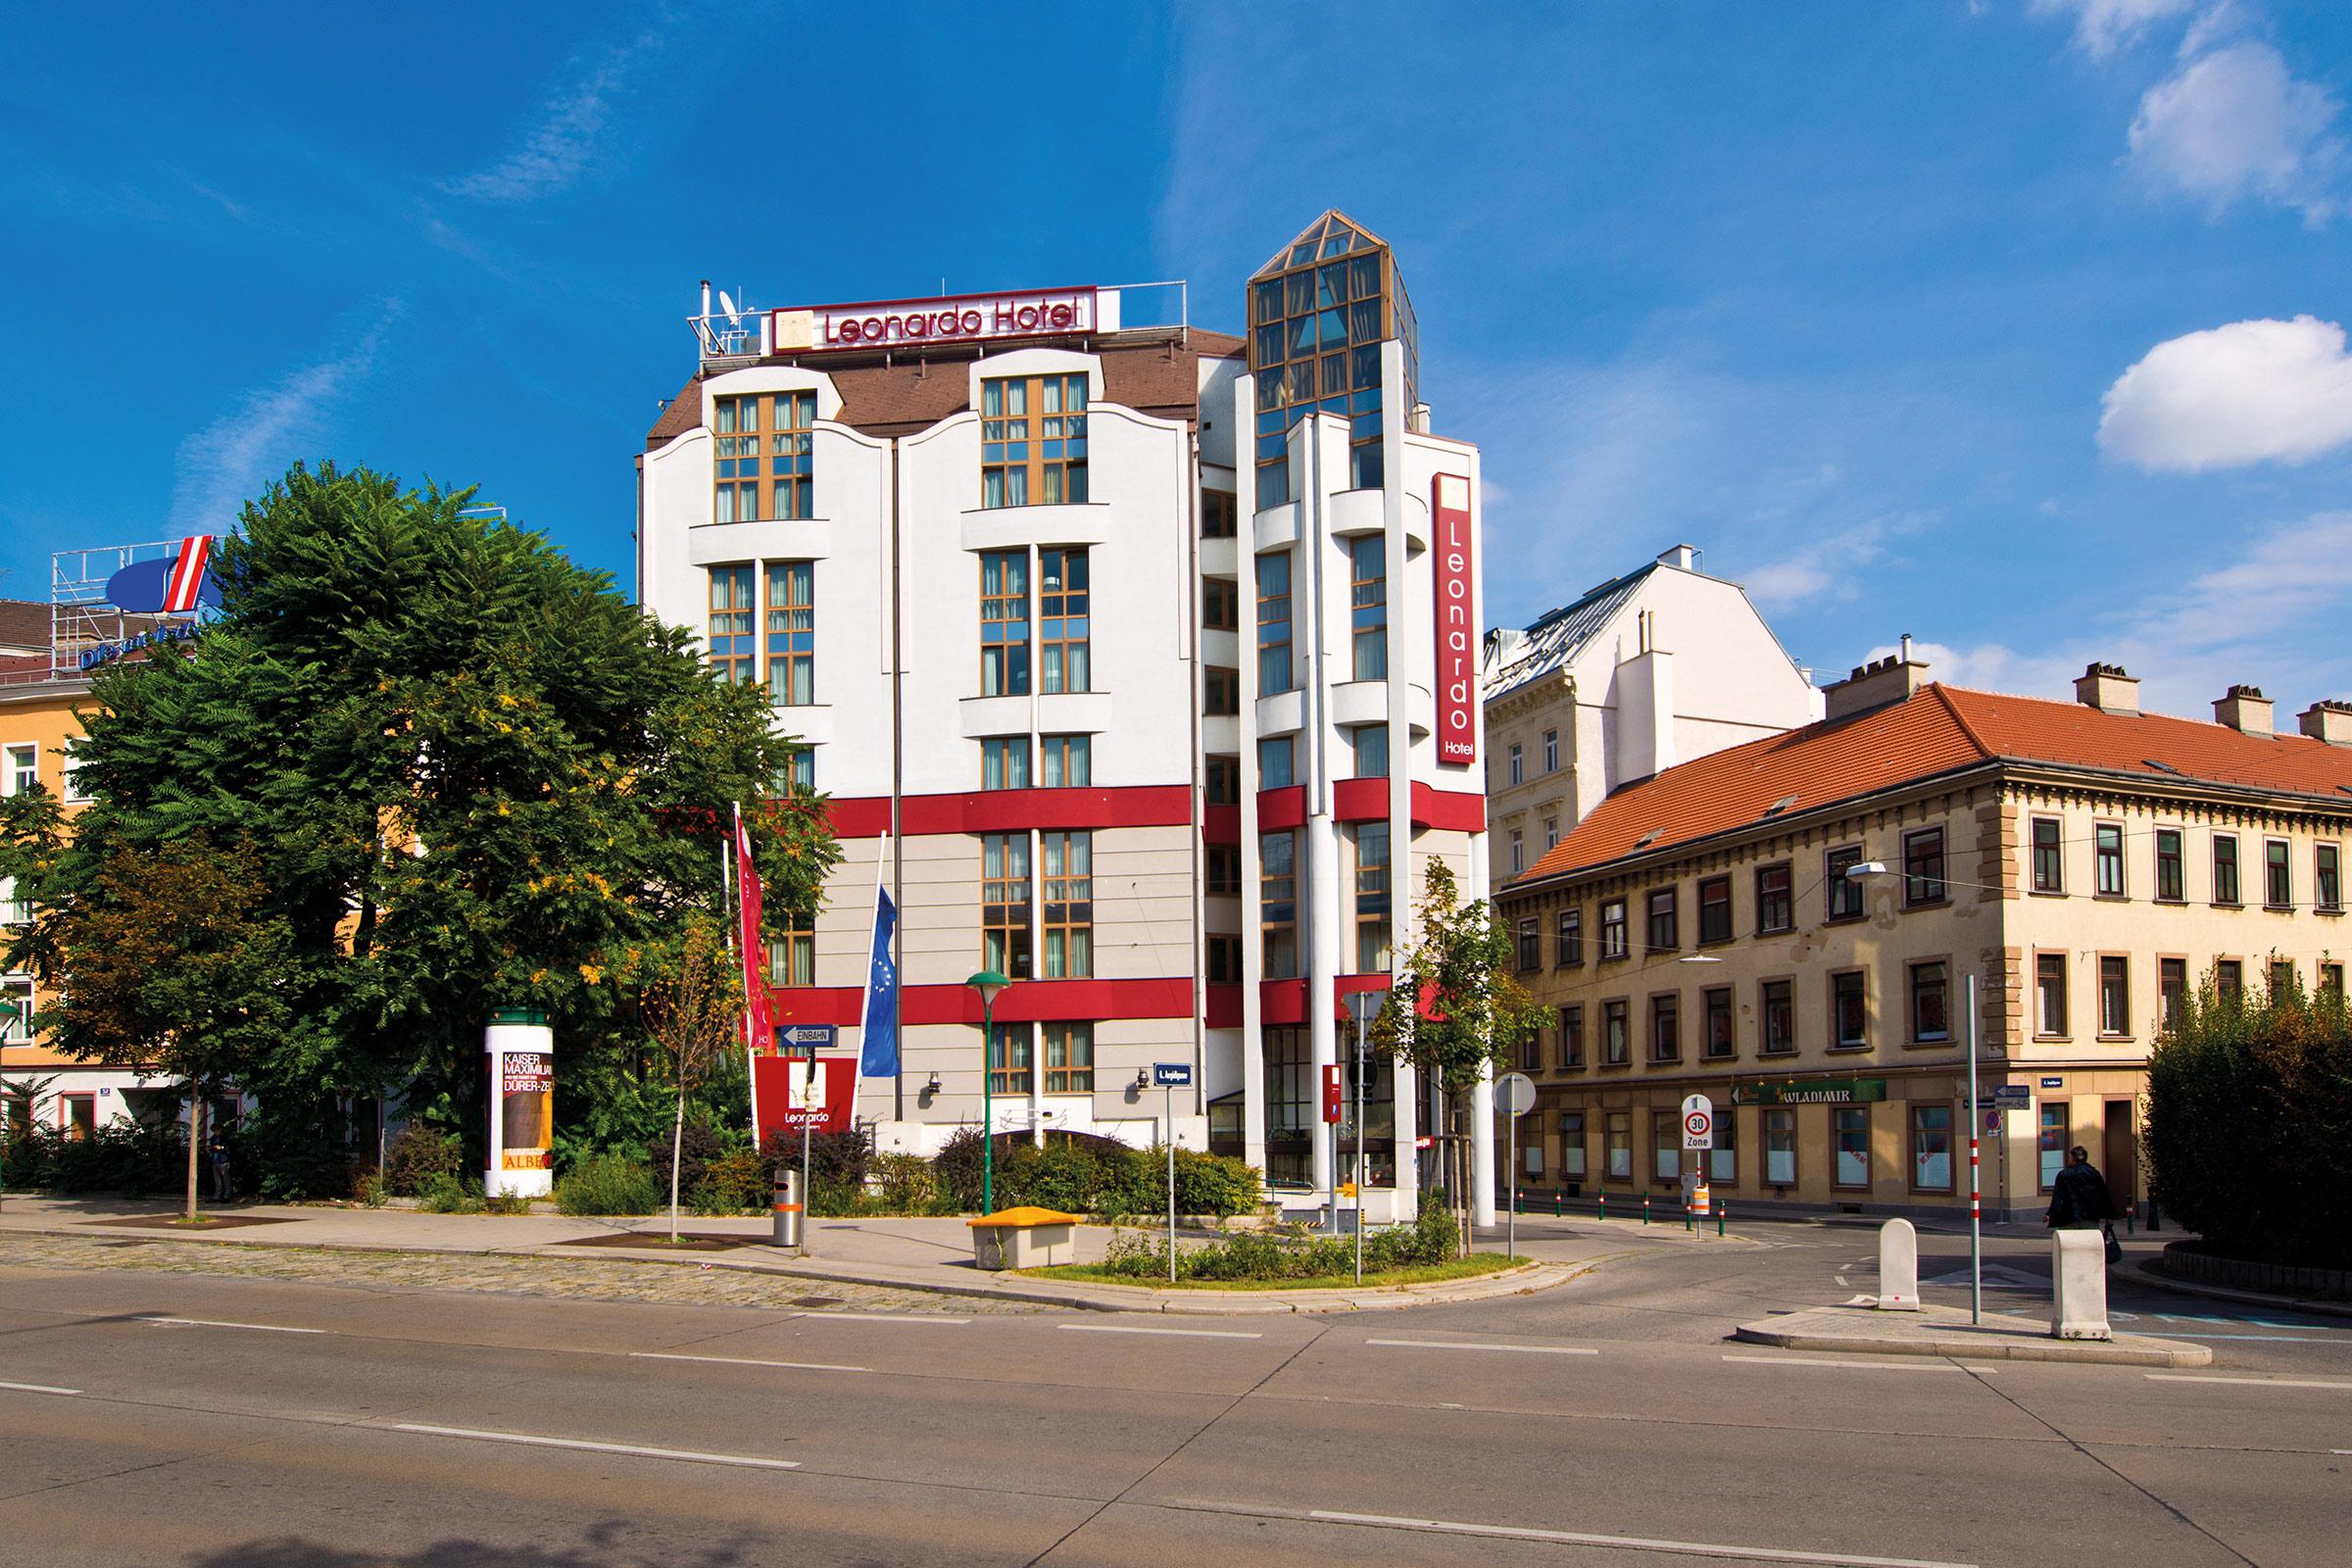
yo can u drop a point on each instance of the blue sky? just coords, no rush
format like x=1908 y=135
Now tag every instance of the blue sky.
x=2015 y=324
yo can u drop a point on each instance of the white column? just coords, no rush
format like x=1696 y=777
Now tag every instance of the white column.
x=1482 y=1152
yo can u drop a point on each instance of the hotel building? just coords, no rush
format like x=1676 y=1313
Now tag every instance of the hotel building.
x=2084 y=863
x=1137 y=660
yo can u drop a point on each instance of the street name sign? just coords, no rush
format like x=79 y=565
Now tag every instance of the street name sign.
x=1172 y=1074
x=1515 y=1093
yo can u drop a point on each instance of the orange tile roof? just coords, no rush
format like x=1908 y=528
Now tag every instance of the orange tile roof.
x=1938 y=729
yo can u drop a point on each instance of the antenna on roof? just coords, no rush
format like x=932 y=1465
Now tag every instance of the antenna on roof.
x=727 y=304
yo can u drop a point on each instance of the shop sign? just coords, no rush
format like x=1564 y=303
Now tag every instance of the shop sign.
x=1813 y=1092
x=910 y=323
x=1457 y=621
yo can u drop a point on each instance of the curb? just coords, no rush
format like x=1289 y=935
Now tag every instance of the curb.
x=1965 y=1348
x=2142 y=1271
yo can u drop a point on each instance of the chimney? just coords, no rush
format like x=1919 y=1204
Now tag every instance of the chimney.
x=1682 y=557
x=2330 y=721
x=2244 y=710
x=1877 y=685
x=2108 y=689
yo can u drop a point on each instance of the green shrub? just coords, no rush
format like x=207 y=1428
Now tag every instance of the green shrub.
x=507 y=1204
x=743 y=1179
x=955 y=1168
x=418 y=1155
x=903 y=1184
x=610 y=1184
x=1291 y=1254
x=449 y=1193
x=129 y=1158
x=699 y=1146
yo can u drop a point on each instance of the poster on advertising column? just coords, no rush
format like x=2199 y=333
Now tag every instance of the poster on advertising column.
x=527 y=1110
x=1456 y=620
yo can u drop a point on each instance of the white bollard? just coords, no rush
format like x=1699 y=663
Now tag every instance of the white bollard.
x=1898 y=1266
x=2079 y=1286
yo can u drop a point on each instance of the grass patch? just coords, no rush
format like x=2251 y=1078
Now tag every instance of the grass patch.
x=1459 y=1268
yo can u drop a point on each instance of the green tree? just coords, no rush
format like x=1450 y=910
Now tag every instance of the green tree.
x=1455 y=1014
x=694 y=1012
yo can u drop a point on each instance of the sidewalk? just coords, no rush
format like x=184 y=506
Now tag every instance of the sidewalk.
x=928 y=1254
x=1945 y=1331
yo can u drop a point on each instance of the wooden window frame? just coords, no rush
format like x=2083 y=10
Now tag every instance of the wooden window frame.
x=1618 y=1010
x=1064 y=624
x=1069 y=903
x=1069 y=1042
x=1551 y=750
x=1005 y=758
x=770 y=461
x=1786 y=898
x=1621 y=948
x=1369 y=607
x=1714 y=1001
x=792 y=957
x=1915 y=1112
x=1220 y=515
x=1527 y=944
x=2278 y=874
x=1221 y=779
x=1843 y=898
x=1220 y=691
x=1837 y=1152
x=2328 y=877
x=1568 y=938
x=2045 y=958
x=2103 y=1019
x=2046 y=862
x=1222 y=876
x=1838 y=1039
x=2108 y=858
x=1278 y=890
x=1035 y=454
x=2228 y=872
x=1011 y=1060
x=1220 y=605
x=1912 y=1032
x=2177 y=861
x=2233 y=967
x=1006 y=935
x=1375 y=930
x=1711 y=934
x=2174 y=982
x=1004 y=625
x=788 y=628
x=1276 y=629
x=1787 y=985
x=731 y=648
x=1776 y=1118
x=1665 y=1028
x=1065 y=762
x=1224 y=954
x=1661 y=921
x=1916 y=882
x=1665 y=1142
x=1572 y=1037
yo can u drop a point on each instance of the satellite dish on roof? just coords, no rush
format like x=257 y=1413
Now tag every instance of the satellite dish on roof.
x=727 y=304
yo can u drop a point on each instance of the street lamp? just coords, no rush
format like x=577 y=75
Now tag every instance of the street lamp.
x=987 y=983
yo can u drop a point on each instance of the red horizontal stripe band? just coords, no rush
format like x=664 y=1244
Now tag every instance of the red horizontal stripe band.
x=867 y=817
x=1023 y=1002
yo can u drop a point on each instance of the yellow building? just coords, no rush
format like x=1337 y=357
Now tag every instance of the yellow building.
x=1789 y=926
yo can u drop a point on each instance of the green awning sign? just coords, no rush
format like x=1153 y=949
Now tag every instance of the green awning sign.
x=1812 y=1092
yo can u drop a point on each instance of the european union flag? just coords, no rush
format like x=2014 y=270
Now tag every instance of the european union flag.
x=878 y=1049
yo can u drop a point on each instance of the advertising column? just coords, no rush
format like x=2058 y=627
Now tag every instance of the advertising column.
x=521 y=1052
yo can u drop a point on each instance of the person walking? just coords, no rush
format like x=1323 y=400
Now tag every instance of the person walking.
x=217 y=1155
x=2078 y=1201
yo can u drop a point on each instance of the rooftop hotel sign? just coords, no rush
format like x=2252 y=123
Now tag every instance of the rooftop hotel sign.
x=910 y=323
x=1457 y=623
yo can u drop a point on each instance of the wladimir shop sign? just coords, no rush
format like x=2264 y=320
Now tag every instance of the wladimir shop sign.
x=1816 y=1092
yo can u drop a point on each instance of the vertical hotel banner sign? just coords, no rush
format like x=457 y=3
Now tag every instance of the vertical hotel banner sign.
x=1457 y=623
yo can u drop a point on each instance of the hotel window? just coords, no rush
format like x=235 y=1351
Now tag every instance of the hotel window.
x=1291 y=1111
x=2277 y=879
x=1278 y=905
x=1716 y=1034
x=1930 y=1000
x=1922 y=866
x=1616 y=1034
x=1372 y=922
x=1063 y=621
x=2049 y=991
x=1070 y=868
x=75 y=793
x=732 y=657
x=16 y=1028
x=1274 y=624
x=1572 y=1144
x=1551 y=834
x=2332 y=980
x=798 y=773
x=1224 y=870
x=2114 y=995
x=1850 y=1138
x=2327 y=872
x=1274 y=754
x=1618 y=1145
x=1850 y=1011
x=1221 y=691
x=1005 y=624
x=2225 y=869
x=2050 y=1133
x=2230 y=981
x=1370 y=743
x=1666 y=1028
x=1220 y=605
x=1666 y=1146
x=2172 y=990
x=792 y=957
x=792 y=633
x=1518 y=852
x=1220 y=514
x=1665 y=934
x=1779 y=1148
x=1551 y=750
x=2107 y=859
x=771 y=483
x=1775 y=912
x=1009 y=1060
x=1572 y=1037
x=1318 y=318
x=1221 y=782
x=1612 y=928
x=1568 y=939
x=1067 y=761
x=1033 y=440
x=1529 y=947
x=1224 y=959
x=2170 y=885
x=1931 y=1149
x=1723 y=1161
x=1368 y=604
x=1069 y=1058
x=2049 y=862
x=1004 y=903
x=1780 y=1018
x=1515 y=769
x=2282 y=978
x=1715 y=910
x=1844 y=893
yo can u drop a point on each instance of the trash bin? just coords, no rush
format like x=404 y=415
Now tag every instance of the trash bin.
x=788 y=1208
x=1026 y=1237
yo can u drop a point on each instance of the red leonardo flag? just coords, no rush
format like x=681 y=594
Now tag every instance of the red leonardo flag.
x=754 y=951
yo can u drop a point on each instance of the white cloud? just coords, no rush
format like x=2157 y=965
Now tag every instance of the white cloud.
x=1827 y=566
x=569 y=134
x=2102 y=26
x=2248 y=392
x=2234 y=123
x=227 y=464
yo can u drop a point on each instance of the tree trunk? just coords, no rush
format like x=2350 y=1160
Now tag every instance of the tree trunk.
x=195 y=1144
x=677 y=1143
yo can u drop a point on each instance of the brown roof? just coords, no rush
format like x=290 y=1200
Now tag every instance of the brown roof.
x=1938 y=729
x=1157 y=376
x=25 y=623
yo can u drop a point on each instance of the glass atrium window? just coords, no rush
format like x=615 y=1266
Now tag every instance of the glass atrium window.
x=1319 y=311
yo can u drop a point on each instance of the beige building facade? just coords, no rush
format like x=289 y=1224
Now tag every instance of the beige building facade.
x=1791 y=928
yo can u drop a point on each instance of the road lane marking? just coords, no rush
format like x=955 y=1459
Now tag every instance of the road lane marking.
x=1840 y=1366
x=213 y=1323
x=2259 y=1383
x=1192 y=1334
x=740 y=1361
x=528 y=1439
x=37 y=1388
x=1688 y=1548
x=1523 y=1349
x=880 y=1317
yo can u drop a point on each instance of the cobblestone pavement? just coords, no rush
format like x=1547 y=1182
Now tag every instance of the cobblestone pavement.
x=598 y=1280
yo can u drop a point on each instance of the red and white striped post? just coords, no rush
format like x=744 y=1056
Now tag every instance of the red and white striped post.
x=1976 y=1190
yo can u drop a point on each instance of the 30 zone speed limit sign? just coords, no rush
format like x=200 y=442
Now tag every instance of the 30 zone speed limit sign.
x=1699 y=1122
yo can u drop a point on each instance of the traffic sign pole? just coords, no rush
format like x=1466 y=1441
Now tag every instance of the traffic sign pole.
x=1975 y=1205
x=1171 y=1076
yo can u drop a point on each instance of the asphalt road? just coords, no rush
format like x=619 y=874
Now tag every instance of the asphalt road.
x=183 y=1419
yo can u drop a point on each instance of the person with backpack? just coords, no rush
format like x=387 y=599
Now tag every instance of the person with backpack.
x=2078 y=1201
